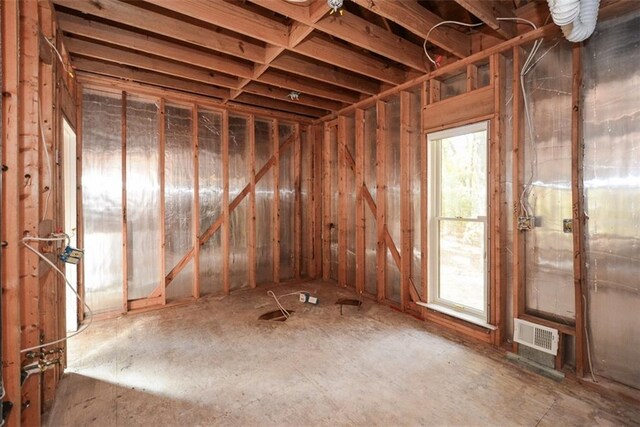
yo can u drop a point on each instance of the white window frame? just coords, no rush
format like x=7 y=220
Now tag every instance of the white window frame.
x=434 y=202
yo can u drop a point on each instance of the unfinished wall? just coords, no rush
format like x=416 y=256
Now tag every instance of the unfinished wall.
x=182 y=199
x=36 y=96
x=612 y=196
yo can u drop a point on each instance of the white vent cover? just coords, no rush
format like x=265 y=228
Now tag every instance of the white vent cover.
x=533 y=335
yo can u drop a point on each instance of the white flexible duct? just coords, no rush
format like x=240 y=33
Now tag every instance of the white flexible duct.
x=576 y=17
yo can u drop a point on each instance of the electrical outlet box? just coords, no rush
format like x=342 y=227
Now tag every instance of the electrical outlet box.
x=303 y=297
x=567 y=225
x=526 y=223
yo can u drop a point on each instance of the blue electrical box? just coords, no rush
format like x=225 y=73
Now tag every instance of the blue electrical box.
x=72 y=255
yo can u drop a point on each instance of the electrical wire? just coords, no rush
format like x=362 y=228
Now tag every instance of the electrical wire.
x=64 y=65
x=48 y=160
x=45 y=259
x=284 y=311
x=424 y=46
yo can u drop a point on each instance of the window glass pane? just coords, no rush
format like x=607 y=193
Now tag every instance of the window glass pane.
x=461 y=263
x=463 y=175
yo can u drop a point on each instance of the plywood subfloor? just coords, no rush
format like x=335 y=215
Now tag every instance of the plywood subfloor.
x=213 y=362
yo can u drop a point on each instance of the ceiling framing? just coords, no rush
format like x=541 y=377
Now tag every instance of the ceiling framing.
x=256 y=52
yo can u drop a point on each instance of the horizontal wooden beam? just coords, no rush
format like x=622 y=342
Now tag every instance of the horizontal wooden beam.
x=293 y=63
x=488 y=11
x=131 y=15
x=123 y=57
x=117 y=36
x=415 y=18
x=307 y=86
x=283 y=95
x=248 y=98
x=156 y=79
x=324 y=50
x=231 y=16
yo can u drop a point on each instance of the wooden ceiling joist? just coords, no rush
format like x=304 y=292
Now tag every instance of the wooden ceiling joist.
x=276 y=104
x=119 y=56
x=149 y=77
x=155 y=46
x=295 y=64
x=415 y=18
x=282 y=94
x=157 y=23
x=488 y=11
x=306 y=86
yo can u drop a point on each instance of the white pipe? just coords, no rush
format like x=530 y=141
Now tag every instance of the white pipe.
x=576 y=17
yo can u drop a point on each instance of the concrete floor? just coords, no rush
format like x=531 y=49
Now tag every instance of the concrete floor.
x=213 y=362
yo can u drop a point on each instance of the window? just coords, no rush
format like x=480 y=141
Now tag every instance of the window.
x=458 y=221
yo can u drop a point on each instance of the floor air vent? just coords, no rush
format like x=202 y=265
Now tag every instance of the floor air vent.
x=536 y=336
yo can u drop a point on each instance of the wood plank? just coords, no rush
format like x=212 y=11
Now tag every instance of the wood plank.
x=161 y=180
x=11 y=213
x=232 y=17
x=144 y=303
x=297 y=218
x=29 y=145
x=424 y=196
x=96 y=30
x=472 y=77
x=321 y=49
x=125 y=233
x=275 y=140
x=362 y=33
x=381 y=200
x=418 y=20
x=488 y=11
x=326 y=205
x=225 y=202
x=79 y=206
x=563 y=328
x=283 y=95
x=342 y=201
x=393 y=249
x=142 y=61
x=299 y=65
x=468 y=106
x=149 y=77
x=308 y=86
x=175 y=28
x=406 y=225
x=195 y=144
x=369 y=199
x=518 y=127
x=289 y=107
x=360 y=208
x=251 y=233
x=577 y=196
x=497 y=190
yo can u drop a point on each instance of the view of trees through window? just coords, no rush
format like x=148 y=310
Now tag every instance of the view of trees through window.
x=461 y=218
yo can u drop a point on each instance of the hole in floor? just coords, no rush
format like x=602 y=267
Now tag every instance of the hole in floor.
x=275 y=315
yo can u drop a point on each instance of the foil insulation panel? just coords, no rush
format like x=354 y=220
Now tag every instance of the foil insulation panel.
x=307 y=171
x=238 y=218
x=507 y=186
x=179 y=196
x=287 y=198
x=611 y=133
x=415 y=113
x=210 y=192
x=333 y=226
x=143 y=198
x=102 y=199
x=264 y=202
x=547 y=172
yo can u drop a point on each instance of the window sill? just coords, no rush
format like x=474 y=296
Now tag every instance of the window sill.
x=454 y=313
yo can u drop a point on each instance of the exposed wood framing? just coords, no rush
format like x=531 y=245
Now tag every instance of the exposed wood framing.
x=381 y=200
x=195 y=147
x=251 y=236
x=342 y=201
x=29 y=203
x=488 y=12
x=161 y=179
x=360 y=207
x=11 y=183
x=424 y=176
x=297 y=216
x=275 y=135
x=577 y=194
x=225 y=202
x=125 y=236
x=326 y=205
